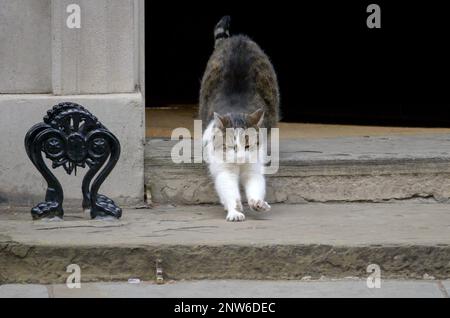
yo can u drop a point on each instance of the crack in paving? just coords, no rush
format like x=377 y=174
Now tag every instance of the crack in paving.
x=187 y=228
x=443 y=289
x=77 y=226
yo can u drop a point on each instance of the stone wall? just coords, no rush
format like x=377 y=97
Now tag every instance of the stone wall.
x=100 y=65
x=25 y=50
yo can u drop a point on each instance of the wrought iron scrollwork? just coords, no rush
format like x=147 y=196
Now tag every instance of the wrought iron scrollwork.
x=70 y=136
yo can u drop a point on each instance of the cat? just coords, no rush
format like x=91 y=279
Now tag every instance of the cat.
x=239 y=91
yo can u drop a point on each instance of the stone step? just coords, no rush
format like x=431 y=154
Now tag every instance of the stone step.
x=293 y=241
x=368 y=169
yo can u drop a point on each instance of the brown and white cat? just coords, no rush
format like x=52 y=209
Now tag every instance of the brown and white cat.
x=239 y=92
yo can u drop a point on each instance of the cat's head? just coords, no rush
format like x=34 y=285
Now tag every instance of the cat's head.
x=237 y=134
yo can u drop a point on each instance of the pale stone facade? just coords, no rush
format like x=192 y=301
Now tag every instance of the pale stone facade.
x=99 y=65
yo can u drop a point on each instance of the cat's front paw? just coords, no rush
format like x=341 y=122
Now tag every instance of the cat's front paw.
x=235 y=216
x=259 y=205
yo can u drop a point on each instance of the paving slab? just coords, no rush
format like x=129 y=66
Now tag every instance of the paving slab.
x=407 y=240
x=446 y=287
x=23 y=291
x=252 y=289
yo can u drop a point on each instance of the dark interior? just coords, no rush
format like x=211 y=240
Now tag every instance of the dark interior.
x=331 y=67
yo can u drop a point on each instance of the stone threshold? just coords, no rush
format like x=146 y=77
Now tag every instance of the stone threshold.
x=344 y=169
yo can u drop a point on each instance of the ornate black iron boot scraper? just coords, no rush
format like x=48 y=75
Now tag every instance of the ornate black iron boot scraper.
x=70 y=136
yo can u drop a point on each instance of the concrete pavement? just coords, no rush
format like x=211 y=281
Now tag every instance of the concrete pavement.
x=235 y=289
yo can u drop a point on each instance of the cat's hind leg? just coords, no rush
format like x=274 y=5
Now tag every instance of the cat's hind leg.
x=255 y=187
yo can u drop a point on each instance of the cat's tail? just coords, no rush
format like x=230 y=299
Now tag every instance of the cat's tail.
x=222 y=29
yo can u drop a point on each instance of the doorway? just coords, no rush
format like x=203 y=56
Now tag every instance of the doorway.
x=332 y=69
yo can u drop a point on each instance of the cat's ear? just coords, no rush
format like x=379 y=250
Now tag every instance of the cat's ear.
x=256 y=118
x=218 y=121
